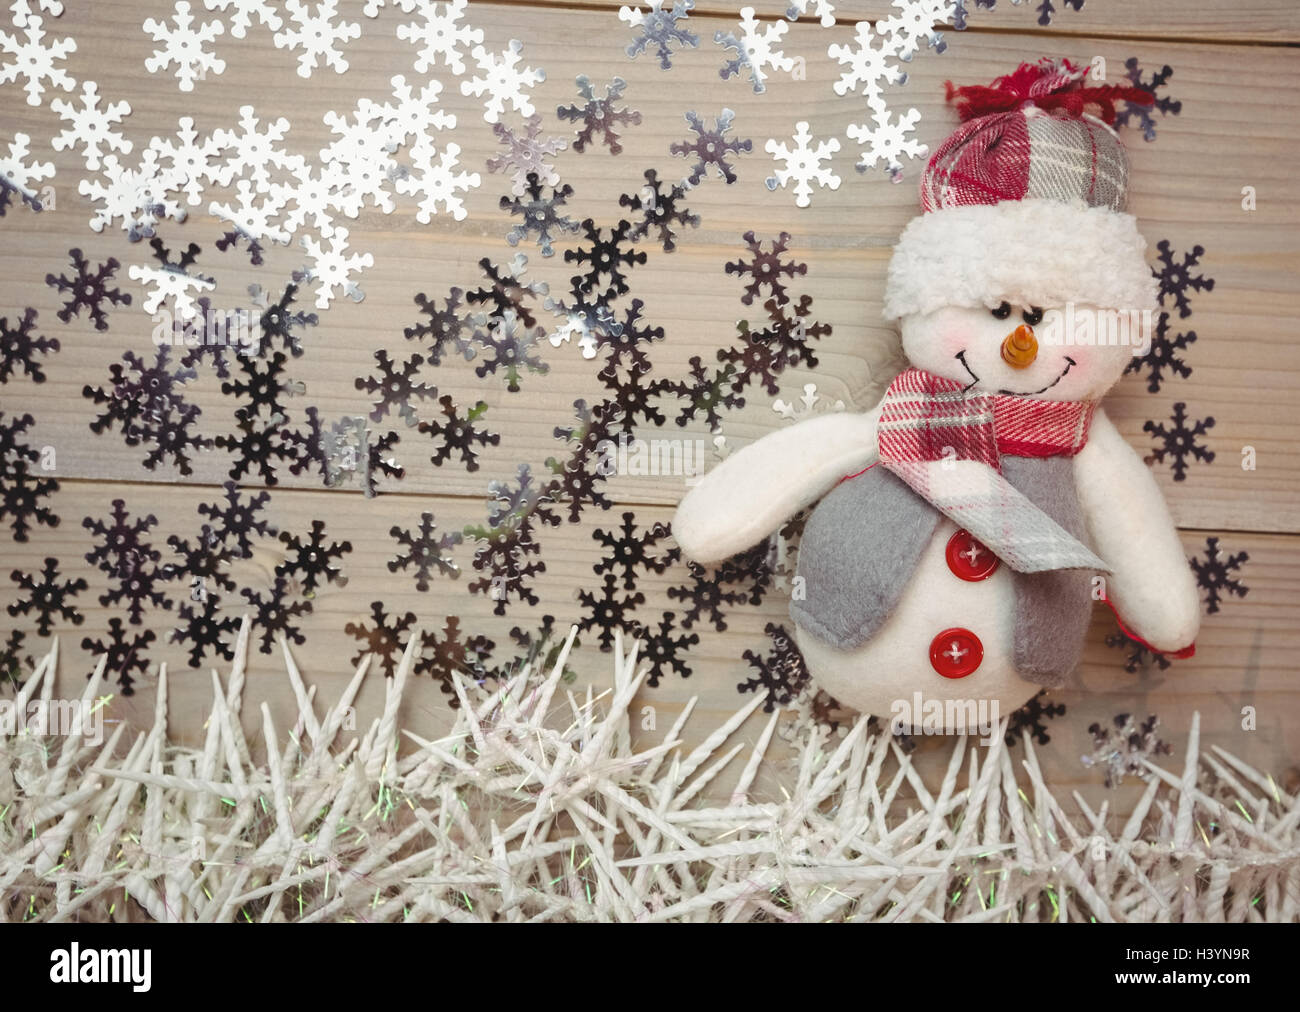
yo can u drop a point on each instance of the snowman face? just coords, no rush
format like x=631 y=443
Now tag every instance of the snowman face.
x=1058 y=353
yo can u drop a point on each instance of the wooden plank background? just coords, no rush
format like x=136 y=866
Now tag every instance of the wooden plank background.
x=1236 y=73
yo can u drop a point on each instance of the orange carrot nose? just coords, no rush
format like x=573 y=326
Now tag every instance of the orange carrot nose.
x=1020 y=347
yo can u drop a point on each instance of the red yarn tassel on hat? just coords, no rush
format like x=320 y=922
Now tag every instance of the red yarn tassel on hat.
x=1047 y=84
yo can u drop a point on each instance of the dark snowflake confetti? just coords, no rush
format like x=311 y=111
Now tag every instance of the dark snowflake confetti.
x=46 y=595
x=766 y=268
x=660 y=209
x=89 y=289
x=20 y=348
x=235 y=522
x=310 y=558
x=662 y=648
x=1214 y=574
x=278 y=322
x=711 y=147
x=1139 y=657
x=609 y=609
x=124 y=655
x=256 y=446
x=630 y=553
x=1031 y=719
x=425 y=553
x=396 y=387
x=20 y=499
x=541 y=214
x=384 y=639
x=506 y=291
x=1177 y=280
x=661 y=29
x=457 y=434
x=205 y=629
x=1162 y=360
x=274 y=613
x=1178 y=441
x=447 y=329
x=1144 y=114
x=447 y=654
x=599 y=116
x=705 y=596
x=605 y=259
x=707 y=393
x=781 y=674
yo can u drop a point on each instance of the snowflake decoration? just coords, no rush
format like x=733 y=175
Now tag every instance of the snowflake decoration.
x=331 y=268
x=629 y=553
x=541 y=215
x=507 y=349
x=171 y=280
x=1176 y=279
x=756 y=49
x=766 y=269
x=1139 y=657
x=254 y=151
x=1030 y=719
x=383 y=642
x=360 y=157
x=11 y=662
x=396 y=388
x=256 y=444
x=706 y=595
x=129 y=559
x=803 y=164
x=599 y=115
x=503 y=81
x=447 y=328
x=1178 y=441
x=260 y=384
x=317 y=35
x=274 y=614
x=205 y=629
x=188 y=160
x=23 y=9
x=440 y=35
x=447 y=654
x=711 y=147
x=138 y=196
x=661 y=648
x=1125 y=747
x=89 y=290
x=606 y=258
x=183 y=46
x=660 y=209
x=413 y=115
x=20 y=499
x=609 y=609
x=457 y=434
x=235 y=523
x=1164 y=105
x=526 y=155
x=1163 y=356
x=278 y=322
x=92 y=128
x=508 y=543
x=310 y=558
x=870 y=67
x=1214 y=574
x=659 y=28
x=244 y=11
x=782 y=674
x=19 y=348
x=707 y=394
x=349 y=450
x=820 y=9
x=507 y=291
x=34 y=60
x=437 y=183
x=915 y=24
x=589 y=322
x=425 y=552
x=886 y=143
x=123 y=655
x=16 y=176
x=47 y=597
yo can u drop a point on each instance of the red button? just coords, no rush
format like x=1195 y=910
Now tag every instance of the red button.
x=969 y=559
x=955 y=653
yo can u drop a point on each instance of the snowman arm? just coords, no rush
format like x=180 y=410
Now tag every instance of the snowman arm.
x=755 y=490
x=1151 y=587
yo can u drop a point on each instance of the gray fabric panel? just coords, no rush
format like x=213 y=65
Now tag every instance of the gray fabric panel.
x=1061 y=163
x=858 y=551
x=1053 y=609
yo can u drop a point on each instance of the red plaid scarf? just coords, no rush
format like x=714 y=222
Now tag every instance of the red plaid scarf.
x=946 y=444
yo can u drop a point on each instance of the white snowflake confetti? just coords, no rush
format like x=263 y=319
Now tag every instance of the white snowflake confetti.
x=887 y=143
x=316 y=194
x=253 y=152
x=373 y=7
x=331 y=268
x=821 y=9
x=870 y=65
x=188 y=159
x=244 y=12
x=18 y=172
x=915 y=25
x=361 y=152
x=135 y=195
x=502 y=79
x=803 y=164
x=755 y=49
x=317 y=36
x=411 y=118
x=183 y=46
x=22 y=10
x=35 y=61
x=171 y=284
x=254 y=213
x=436 y=182
x=439 y=35
x=91 y=127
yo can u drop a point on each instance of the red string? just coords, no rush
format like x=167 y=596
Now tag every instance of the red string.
x=1027 y=86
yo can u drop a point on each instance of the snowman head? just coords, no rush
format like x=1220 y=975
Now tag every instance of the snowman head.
x=1025 y=275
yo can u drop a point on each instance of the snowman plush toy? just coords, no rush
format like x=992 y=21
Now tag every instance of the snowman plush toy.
x=963 y=528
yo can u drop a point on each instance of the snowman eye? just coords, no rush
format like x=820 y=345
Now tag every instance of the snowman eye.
x=1033 y=316
x=1002 y=312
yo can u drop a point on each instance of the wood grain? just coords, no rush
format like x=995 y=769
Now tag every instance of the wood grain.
x=1236 y=129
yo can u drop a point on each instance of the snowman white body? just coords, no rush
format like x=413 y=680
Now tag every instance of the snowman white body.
x=754 y=491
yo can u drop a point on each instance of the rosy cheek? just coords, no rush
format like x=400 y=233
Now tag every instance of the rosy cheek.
x=954 y=340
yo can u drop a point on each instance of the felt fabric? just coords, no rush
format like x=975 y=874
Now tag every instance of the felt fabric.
x=1031 y=252
x=944 y=442
x=860 y=548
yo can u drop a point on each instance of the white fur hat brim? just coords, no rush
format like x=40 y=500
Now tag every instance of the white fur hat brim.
x=1033 y=252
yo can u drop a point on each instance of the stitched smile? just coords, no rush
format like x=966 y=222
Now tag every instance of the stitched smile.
x=1070 y=364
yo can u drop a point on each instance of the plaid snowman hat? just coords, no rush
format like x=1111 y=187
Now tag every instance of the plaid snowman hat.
x=1025 y=202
